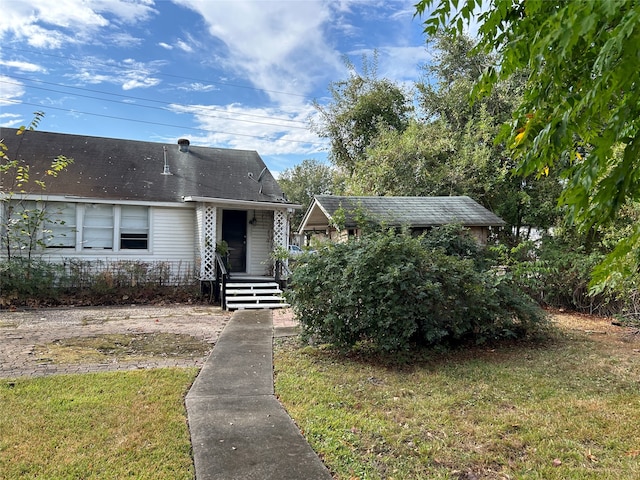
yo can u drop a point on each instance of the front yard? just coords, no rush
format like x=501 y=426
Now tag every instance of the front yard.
x=567 y=409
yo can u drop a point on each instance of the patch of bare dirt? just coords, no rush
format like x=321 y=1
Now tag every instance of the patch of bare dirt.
x=606 y=330
x=65 y=340
x=122 y=347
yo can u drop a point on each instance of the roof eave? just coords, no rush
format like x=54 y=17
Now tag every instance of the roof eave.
x=242 y=203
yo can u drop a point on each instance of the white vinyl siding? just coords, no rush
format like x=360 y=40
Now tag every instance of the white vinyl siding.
x=173 y=233
x=260 y=233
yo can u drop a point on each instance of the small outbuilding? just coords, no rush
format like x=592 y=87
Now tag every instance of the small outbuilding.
x=336 y=218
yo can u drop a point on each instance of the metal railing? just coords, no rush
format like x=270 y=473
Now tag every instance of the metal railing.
x=222 y=276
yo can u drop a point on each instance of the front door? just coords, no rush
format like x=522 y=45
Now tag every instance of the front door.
x=234 y=232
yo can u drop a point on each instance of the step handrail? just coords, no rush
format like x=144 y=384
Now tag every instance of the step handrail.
x=222 y=276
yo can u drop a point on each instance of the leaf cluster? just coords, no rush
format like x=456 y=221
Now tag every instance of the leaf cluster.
x=22 y=223
x=581 y=99
x=307 y=179
x=361 y=107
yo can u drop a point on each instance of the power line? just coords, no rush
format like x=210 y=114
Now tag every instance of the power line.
x=113 y=117
x=149 y=106
x=132 y=97
x=247 y=87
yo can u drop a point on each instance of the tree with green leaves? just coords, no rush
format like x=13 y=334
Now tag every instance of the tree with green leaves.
x=311 y=177
x=22 y=219
x=581 y=98
x=362 y=106
x=411 y=162
x=450 y=150
x=450 y=77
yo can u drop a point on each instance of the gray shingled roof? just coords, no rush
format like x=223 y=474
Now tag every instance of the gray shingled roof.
x=413 y=211
x=108 y=168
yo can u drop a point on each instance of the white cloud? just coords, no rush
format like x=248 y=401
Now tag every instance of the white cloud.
x=22 y=66
x=51 y=24
x=127 y=11
x=190 y=45
x=128 y=73
x=141 y=82
x=401 y=63
x=184 y=46
x=10 y=120
x=269 y=131
x=123 y=39
x=197 y=87
x=282 y=48
x=12 y=90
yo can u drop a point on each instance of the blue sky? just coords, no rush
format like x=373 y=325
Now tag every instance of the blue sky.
x=230 y=74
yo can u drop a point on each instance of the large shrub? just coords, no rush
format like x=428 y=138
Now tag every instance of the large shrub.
x=393 y=290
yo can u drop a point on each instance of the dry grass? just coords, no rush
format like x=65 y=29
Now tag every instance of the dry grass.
x=122 y=348
x=567 y=408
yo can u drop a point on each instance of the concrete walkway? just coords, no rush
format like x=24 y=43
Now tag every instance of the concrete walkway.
x=239 y=430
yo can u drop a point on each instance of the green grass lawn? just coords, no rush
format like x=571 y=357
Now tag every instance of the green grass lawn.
x=566 y=409
x=96 y=426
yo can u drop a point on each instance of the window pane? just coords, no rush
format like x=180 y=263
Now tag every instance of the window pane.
x=134 y=227
x=97 y=229
x=134 y=219
x=60 y=225
x=24 y=221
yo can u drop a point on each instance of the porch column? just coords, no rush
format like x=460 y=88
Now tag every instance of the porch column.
x=206 y=230
x=280 y=229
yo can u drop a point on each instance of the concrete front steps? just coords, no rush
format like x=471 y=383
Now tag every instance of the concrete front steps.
x=246 y=295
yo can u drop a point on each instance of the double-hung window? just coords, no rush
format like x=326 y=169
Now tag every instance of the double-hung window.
x=79 y=226
x=134 y=227
x=97 y=226
x=115 y=227
x=60 y=225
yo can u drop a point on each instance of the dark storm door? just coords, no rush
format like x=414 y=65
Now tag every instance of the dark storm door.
x=234 y=232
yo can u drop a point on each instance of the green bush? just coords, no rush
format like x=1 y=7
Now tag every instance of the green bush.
x=557 y=274
x=36 y=282
x=23 y=278
x=393 y=290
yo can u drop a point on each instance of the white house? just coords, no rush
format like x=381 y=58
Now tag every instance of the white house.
x=153 y=202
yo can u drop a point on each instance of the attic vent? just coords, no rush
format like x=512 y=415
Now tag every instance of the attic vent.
x=183 y=144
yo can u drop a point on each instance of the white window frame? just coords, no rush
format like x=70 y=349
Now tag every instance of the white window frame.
x=133 y=221
x=97 y=230
x=112 y=223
